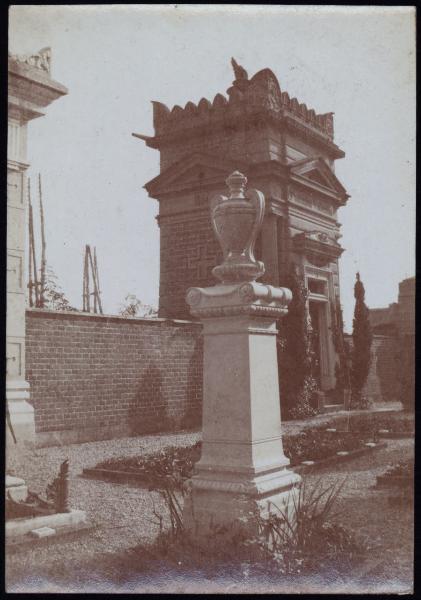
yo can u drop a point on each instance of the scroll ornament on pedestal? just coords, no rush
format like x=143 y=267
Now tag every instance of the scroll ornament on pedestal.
x=237 y=220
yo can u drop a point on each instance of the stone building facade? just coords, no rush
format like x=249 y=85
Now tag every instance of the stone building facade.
x=287 y=151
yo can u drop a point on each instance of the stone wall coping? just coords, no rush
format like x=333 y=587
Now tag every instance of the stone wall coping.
x=62 y=314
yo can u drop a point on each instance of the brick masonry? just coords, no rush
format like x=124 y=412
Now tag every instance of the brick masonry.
x=382 y=383
x=97 y=377
x=189 y=251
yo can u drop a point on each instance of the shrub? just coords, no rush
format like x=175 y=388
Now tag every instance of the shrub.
x=296 y=381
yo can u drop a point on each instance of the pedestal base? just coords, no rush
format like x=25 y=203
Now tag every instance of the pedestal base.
x=21 y=415
x=16 y=489
x=215 y=501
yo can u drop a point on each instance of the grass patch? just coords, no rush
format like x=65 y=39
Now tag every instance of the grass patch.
x=309 y=542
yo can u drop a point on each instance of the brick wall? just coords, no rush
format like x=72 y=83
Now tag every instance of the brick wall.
x=382 y=382
x=97 y=377
x=189 y=251
x=381 y=385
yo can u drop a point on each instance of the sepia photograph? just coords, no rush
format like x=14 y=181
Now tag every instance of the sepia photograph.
x=210 y=328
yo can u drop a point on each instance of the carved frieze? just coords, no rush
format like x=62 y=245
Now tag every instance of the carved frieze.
x=309 y=200
x=41 y=60
x=319 y=248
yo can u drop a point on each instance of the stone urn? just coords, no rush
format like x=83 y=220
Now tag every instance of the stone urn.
x=237 y=220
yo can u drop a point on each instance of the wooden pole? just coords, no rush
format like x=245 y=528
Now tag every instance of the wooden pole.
x=83 y=286
x=84 y=283
x=31 y=226
x=95 y=292
x=88 y=300
x=97 y=280
x=43 y=243
x=32 y=251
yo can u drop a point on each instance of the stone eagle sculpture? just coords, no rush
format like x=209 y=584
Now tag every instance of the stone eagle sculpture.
x=239 y=71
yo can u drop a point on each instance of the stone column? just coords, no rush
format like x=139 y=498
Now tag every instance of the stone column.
x=242 y=468
x=30 y=89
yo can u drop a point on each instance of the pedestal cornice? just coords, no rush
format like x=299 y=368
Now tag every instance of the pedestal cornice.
x=240 y=299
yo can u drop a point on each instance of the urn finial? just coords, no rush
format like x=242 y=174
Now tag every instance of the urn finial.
x=237 y=221
x=236 y=183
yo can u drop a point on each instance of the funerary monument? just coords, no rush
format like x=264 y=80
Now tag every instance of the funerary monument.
x=286 y=151
x=30 y=90
x=242 y=469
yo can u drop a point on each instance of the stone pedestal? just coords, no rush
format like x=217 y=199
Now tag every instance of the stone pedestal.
x=242 y=472
x=16 y=489
x=21 y=413
x=242 y=468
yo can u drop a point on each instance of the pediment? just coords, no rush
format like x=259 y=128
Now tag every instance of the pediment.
x=316 y=171
x=191 y=171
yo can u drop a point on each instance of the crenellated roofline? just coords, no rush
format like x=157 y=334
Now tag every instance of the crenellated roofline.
x=249 y=100
x=262 y=89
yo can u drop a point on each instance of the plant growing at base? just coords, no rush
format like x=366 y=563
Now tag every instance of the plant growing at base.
x=283 y=543
x=296 y=382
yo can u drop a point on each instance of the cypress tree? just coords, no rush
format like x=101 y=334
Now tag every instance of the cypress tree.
x=362 y=338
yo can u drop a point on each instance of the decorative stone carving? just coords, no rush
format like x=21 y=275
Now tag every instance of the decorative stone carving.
x=41 y=60
x=317 y=246
x=239 y=71
x=236 y=221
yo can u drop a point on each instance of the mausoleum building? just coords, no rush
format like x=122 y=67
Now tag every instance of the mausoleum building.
x=288 y=152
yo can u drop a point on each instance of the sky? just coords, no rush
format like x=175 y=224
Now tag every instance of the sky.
x=358 y=62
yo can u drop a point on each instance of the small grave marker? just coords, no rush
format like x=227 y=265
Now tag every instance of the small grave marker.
x=42 y=532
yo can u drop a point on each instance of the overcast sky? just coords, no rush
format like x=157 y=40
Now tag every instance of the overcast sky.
x=358 y=62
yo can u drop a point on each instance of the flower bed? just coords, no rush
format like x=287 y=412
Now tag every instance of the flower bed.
x=316 y=444
x=395 y=423
x=312 y=444
x=158 y=465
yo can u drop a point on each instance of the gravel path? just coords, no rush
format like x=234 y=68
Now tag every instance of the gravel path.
x=123 y=513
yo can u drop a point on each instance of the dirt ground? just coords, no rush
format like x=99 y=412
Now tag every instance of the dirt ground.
x=123 y=516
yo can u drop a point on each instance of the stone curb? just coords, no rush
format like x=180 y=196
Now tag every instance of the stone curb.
x=397 y=435
x=300 y=468
x=64 y=533
x=18 y=527
x=115 y=476
x=393 y=481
